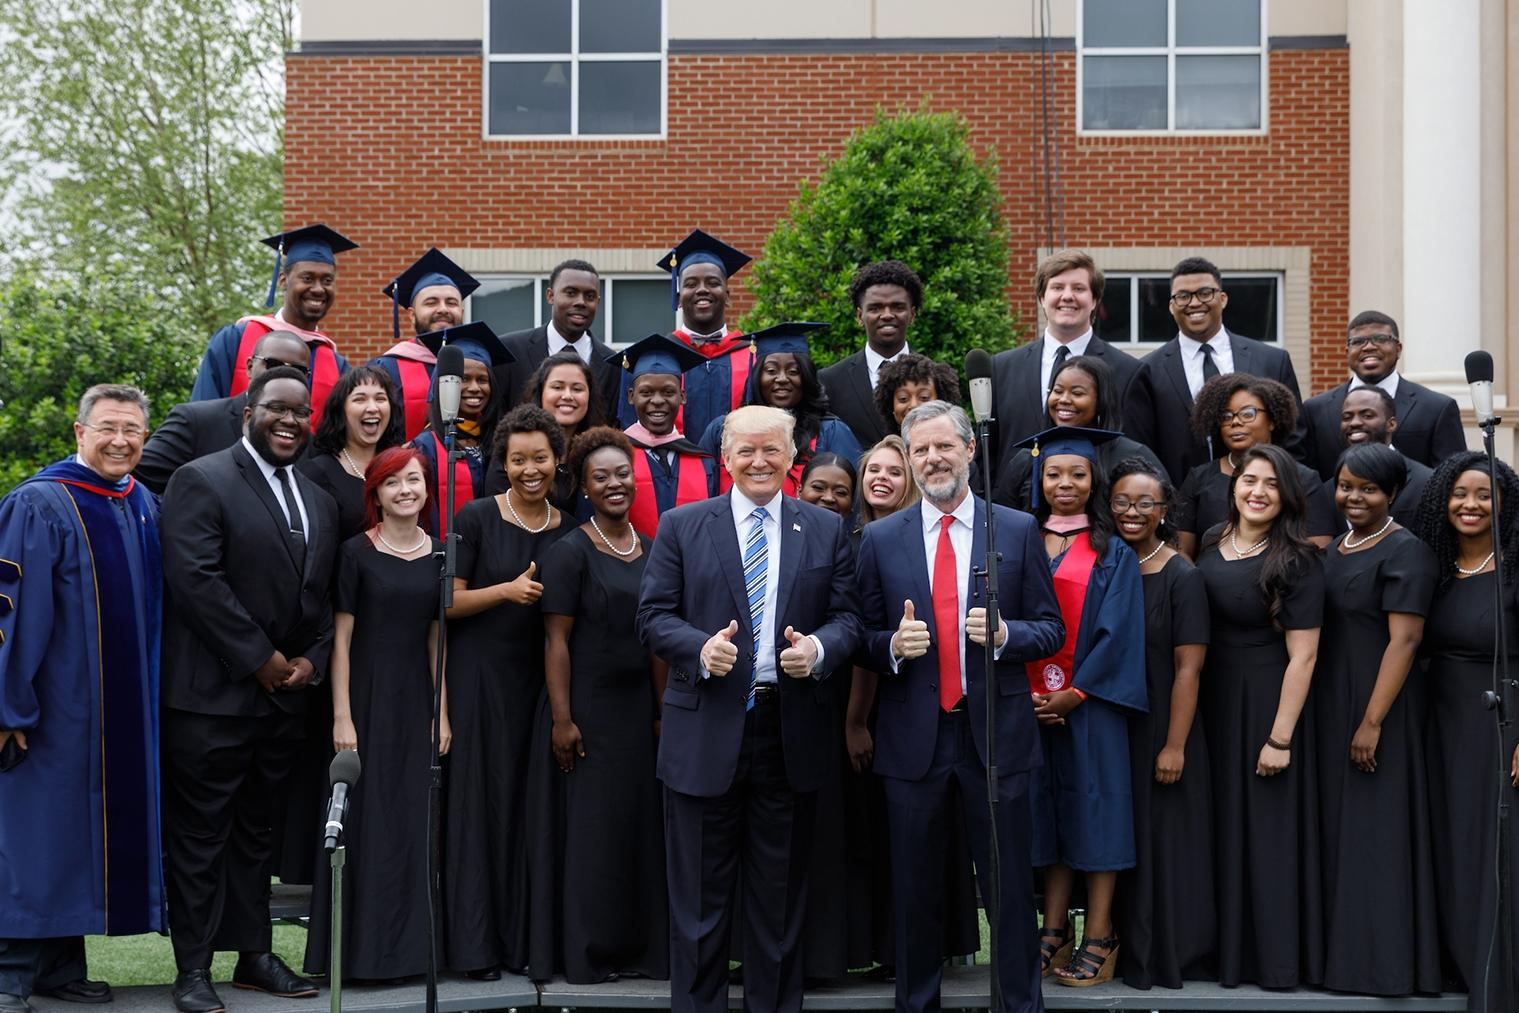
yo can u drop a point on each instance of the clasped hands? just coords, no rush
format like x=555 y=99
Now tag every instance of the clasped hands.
x=912 y=641
x=277 y=673
x=719 y=654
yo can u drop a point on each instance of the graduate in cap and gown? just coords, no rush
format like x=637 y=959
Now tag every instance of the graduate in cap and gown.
x=699 y=271
x=784 y=376
x=668 y=469
x=434 y=289
x=305 y=262
x=479 y=408
x=1084 y=695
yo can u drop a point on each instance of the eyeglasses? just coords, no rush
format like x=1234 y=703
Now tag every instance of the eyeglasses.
x=1362 y=340
x=1246 y=415
x=270 y=362
x=132 y=433
x=1145 y=506
x=1203 y=295
x=280 y=409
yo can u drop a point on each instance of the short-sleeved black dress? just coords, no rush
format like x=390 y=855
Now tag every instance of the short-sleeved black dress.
x=597 y=846
x=1203 y=501
x=495 y=677
x=345 y=488
x=1166 y=907
x=1267 y=876
x=393 y=602
x=1379 y=886
x=1463 y=758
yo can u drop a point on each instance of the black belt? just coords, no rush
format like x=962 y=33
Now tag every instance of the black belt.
x=960 y=707
x=766 y=691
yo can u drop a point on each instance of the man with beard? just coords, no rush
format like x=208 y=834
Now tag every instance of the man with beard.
x=668 y=469
x=305 y=265
x=887 y=296
x=197 y=428
x=1369 y=415
x=931 y=727
x=433 y=288
x=1428 y=423
x=573 y=296
x=248 y=549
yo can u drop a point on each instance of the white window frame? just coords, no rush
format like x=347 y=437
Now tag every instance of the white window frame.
x=575 y=58
x=1170 y=51
x=1148 y=346
x=604 y=311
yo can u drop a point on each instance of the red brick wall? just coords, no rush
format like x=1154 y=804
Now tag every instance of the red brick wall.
x=389 y=150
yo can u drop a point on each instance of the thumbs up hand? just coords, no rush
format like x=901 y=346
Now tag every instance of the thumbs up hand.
x=801 y=657
x=718 y=654
x=975 y=627
x=524 y=590
x=911 y=639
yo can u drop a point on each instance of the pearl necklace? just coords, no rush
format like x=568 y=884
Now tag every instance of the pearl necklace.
x=353 y=469
x=1242 y=553
x=1371 y=538
x=608 y=542
x=380 y=534
x=548 y=514
x=1463 y=571
x=1152 y=553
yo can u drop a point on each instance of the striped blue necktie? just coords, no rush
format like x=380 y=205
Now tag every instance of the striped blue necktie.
x=756 y=561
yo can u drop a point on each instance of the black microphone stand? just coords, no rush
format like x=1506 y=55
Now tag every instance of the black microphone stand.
x=1498 y=970
x=446 y=574
x=992 y=899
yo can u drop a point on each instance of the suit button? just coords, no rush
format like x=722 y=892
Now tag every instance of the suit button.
x=934 y=686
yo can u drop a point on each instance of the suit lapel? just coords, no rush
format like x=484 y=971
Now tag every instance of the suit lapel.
x=1404 y=402
x=725 y=541
x=307 y=490
x=255 y=479
x=977 y=554
x=857 y=376
x=1244 y=355
x=1177 y=371
x=793 y=529
x=911 y=534
x=235 y=416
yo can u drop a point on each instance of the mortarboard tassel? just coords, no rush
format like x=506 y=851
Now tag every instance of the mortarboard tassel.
x=274 y=279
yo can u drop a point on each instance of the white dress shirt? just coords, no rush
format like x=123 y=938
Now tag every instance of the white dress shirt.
x=279 y=493
x=1192 y=358
x=1388 y=383
x=874 y=360
x=961 y=537
x=1078 y=346
x=558 y=342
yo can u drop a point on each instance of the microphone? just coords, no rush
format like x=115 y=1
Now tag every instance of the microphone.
x=1479 y=374
x=341 y=777
x=978 y=370
x=450 y=377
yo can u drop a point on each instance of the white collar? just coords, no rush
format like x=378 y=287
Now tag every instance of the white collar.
x=743 y=506
x=554 y=335
x=965 y=512
x=1077 y=345
x=875 y=360
x=1192 y=346
x=1388 y=383
x=263 y=466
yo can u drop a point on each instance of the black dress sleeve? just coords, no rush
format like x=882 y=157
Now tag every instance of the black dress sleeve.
x=345 y=593
x=1303 y=602
x=1321 y=519
x=565 y=568
x=1409 y=575
x=1184 y=514
x=1189 y=603
x=467 y=522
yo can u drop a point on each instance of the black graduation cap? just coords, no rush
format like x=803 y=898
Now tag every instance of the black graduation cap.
x=658 y=353
x=476 y=340
x=1057 y=440
x=792 y=336
x=700 y=248
x=432 y=268
x=316 y=243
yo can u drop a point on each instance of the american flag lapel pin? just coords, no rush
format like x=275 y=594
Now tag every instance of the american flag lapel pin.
x=795 y=526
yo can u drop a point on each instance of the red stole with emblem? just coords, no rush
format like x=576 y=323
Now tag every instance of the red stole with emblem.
x=1071 y=579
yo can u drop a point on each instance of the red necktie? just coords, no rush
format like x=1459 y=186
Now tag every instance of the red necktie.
x=947 y=618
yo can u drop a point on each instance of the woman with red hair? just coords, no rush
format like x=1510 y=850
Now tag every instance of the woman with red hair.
x=385 y=606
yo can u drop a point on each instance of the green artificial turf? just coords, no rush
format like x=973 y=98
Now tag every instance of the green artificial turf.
x=149 y=959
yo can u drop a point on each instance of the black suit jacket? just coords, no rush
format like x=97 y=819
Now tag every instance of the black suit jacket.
x=532 y=347
x=190 y=431
x=235 y=593
x=852 y=399
x=1020 y=399
x=1157 y=410
x=693 y=585
x=1429 y=426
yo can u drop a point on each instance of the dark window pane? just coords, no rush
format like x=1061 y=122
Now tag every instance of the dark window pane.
x=505 y=304
x=1123 y=93
x=640 y=307
x=1123 y=22
x=1113 y=314
x=619 y=98
x=1218 y=92
x=1155 y=320
x=530 y=98
x=619 y=26
x=530 y=26
x=1218 y=22
x=1252 y=307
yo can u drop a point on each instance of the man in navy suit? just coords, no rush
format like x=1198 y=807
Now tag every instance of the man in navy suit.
x=926 y=626
x=747 y=597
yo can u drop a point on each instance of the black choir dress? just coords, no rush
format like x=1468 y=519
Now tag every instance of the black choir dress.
x=596 y=852
x=495 y=677
x=393 y=602
x=1165 y=907
x=345 y=488
x=1203 y=501
x=1379 y=887
x=1464 y=759
x=1266 y=850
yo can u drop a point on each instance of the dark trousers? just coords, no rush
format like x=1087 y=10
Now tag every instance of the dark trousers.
x=220 y=779
x=758 y=833
x=28 y=964
x=917 y=818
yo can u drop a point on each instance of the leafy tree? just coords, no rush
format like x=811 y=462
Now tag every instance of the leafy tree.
x=908 y=187
x=56 y=341
x=146 y=135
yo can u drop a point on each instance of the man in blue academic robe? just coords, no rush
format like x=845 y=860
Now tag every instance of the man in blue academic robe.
x=80 y=594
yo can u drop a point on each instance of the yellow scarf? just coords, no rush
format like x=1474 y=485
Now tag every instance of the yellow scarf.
x=469 y=428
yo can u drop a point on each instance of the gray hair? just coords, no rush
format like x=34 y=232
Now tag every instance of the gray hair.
x=929 y=410
x=111 y=392
x=756 y=420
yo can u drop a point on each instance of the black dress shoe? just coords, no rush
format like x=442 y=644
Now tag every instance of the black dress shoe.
x=484 y=974
x=268 y=973
x=193 y=993
x=13 y=1004
x=82 y=990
